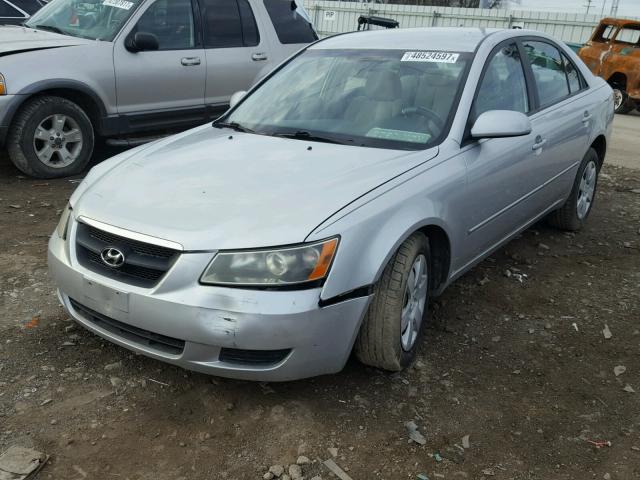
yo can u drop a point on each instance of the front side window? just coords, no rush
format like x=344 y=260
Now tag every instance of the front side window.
x=229 y=23
x=503 y=86
x=628 y=35
x=604 y=33
x=376 y=98
x=548 y=72
x=171 y=21
x=93 y=19
x=290 y=24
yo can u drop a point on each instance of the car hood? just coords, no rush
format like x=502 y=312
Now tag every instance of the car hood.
x=22 y=39
x=217 y=189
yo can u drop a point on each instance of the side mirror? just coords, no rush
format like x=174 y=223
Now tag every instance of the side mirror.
x=236 y=97
x=141 y=42
x=500 y=124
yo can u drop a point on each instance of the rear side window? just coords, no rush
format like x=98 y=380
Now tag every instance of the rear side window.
x=548 y=71
x=630 y=36
x=291 y=27
x=229 y=23
x=576 y=82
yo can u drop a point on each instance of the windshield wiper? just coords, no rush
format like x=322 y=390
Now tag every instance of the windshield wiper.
x=233 y=125
x=305 y=135
x=49 y=28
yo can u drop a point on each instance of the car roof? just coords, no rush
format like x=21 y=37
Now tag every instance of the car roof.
x=454 y=39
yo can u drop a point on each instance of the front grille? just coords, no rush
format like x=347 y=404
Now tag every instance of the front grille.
x=162 y=343
x=253 y=357
x=144 y=266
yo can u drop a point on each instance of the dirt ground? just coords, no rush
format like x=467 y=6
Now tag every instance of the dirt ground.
x=519 y=363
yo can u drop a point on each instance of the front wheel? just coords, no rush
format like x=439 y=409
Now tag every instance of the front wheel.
x=394 y=324
x=574 y=213
x=50 y=137
x=621 y=101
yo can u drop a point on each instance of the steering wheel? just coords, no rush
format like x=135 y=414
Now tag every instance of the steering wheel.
x=424 y=112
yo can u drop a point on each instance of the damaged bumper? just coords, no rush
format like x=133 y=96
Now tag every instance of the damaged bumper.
x=245 y=334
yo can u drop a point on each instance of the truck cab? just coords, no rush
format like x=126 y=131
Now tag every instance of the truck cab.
x=613 y=53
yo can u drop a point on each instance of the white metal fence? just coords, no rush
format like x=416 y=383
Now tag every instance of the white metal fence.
x=331 y=17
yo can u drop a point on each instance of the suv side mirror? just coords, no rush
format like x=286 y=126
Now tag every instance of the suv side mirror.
x=141 y=42
x=236 y=97
x=500 y=124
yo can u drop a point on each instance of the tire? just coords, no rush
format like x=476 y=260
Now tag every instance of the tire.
x=65 y=158
x=623 y=104
x=381 y=342
x=571 y=216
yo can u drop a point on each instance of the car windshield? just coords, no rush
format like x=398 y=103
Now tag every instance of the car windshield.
x=93 y=19
x=378 y=98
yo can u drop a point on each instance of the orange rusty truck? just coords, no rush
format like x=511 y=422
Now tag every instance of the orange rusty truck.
x=613 y=53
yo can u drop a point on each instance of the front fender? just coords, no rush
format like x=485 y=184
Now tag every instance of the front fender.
x=372 y=230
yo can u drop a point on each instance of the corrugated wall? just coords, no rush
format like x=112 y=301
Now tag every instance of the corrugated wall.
x=332 y=17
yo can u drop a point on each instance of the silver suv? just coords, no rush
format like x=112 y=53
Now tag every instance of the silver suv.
x=131 y=70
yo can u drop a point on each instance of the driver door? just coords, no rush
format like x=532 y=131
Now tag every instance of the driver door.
x=162 y=88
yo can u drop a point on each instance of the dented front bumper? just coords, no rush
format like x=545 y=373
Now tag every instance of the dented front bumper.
x=228 y=332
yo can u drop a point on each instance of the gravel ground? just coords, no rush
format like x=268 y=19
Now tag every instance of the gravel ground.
x=516 y=378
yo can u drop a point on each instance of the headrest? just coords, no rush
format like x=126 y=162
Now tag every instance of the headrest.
x=383 y=85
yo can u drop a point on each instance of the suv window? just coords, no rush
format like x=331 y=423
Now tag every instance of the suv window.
x=503 y=85
x=291 y=27
x=229 y=23
x=628 y=35
x=172 y=22
x=548 y=71
x=604 y=33
x=8 y=11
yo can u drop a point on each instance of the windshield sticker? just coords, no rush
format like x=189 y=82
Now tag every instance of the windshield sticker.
x=123 y=4
x=398 y=135
x=435 y=57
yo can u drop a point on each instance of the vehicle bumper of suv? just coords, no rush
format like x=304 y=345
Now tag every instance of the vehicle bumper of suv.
x=231 y=332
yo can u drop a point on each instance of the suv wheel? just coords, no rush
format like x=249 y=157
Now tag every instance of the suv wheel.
x=394 y=324
x=50 y=137
x=622 y=103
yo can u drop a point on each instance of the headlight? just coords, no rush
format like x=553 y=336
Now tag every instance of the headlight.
x=3 y=85
x=273 y=267
x=63 y=224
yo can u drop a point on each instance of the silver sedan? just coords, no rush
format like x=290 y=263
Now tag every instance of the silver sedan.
x=320 y=214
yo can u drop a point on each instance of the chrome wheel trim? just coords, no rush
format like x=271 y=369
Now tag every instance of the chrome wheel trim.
x=618 y=98
x=415 y=298
x=57 y=141
x=586 y=190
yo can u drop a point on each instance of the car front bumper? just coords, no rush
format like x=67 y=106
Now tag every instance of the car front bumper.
x=210 y=320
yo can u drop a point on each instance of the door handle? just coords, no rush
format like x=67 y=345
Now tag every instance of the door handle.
x=190 y=61
x=540 y=142
x=586 y=117
x=259 y=57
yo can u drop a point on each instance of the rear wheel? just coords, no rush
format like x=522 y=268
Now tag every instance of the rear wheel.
x=622 y=103
x=394 y=323
x=50 y=137
x=574 y=213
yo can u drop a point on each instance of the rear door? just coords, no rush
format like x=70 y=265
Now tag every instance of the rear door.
x=622 y=59
x=236 y=49
x=162 y=88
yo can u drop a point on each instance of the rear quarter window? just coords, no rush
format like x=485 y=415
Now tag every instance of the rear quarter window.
x=290 y=26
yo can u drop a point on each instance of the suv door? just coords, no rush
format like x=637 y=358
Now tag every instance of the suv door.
x=235 y=50
x=562 y=121
x=165 y=87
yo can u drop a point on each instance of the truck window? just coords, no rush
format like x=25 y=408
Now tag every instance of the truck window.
x=629 y=36
x=604 y=33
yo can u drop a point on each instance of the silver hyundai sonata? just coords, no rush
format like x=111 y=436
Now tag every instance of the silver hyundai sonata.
x=323 y=210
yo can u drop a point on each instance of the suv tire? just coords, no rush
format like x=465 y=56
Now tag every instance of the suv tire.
x=50 y=137
x=383 y=341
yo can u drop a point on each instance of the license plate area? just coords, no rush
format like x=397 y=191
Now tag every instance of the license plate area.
x=105 y=299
